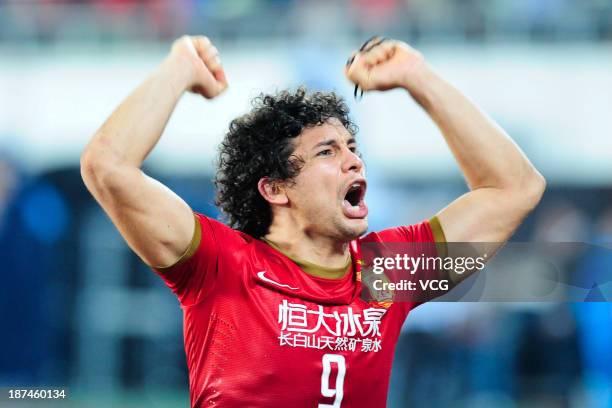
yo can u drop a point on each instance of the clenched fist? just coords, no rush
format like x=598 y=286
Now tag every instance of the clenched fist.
x=383 y=64
x=200 y=59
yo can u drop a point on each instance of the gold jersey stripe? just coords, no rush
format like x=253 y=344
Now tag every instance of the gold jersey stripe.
x=438 y=234
x=193 y=246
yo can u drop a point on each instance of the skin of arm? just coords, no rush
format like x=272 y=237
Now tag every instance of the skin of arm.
x=156 y=223
x=504 y=185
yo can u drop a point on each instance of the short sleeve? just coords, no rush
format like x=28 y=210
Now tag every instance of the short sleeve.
x=193 y=276
x=427 y=233
x=410 y=233
x=425 y=239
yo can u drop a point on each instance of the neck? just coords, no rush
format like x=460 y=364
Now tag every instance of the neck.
x=299 y=244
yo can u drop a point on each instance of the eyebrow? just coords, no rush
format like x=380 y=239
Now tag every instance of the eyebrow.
x=330 y=142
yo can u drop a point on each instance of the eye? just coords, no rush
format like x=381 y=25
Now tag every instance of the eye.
x=325 y=152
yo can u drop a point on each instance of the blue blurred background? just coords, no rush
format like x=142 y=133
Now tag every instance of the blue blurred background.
x=77 y=308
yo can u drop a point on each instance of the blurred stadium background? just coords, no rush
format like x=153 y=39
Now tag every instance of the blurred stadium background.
x=78 y=309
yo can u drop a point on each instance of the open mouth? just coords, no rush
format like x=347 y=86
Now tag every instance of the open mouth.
x=354 y=194
x=354 y=205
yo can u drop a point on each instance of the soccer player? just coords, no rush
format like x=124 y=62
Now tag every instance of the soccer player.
x=273 y=315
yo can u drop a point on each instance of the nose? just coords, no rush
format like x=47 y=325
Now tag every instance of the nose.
x=352 y=161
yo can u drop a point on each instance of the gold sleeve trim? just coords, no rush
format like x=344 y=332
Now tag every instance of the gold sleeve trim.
x=193 y=246
x=438 y=234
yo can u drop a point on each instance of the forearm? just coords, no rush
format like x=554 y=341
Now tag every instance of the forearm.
x=134 y=128
x=505 y=186
x=485 y=153
x=155 y=222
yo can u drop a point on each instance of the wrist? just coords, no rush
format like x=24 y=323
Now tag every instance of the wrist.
x=416 y=77
x=178 y=72
x=420 y=81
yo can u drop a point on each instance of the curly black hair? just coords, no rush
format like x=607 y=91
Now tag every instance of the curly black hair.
x=260 y=144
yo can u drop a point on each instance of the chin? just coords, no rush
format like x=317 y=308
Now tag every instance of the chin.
x=363 y=229
x=355 y=228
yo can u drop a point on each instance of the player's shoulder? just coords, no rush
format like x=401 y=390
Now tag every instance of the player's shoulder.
x=220 y=232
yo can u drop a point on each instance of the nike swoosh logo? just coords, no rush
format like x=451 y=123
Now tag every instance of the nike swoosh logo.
x=262 y=275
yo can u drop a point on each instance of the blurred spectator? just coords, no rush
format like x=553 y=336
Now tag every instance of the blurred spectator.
x=52 y=20
x=34 y=217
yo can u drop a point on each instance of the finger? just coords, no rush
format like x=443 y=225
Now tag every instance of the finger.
x=370 y=41
x=379 y=53
x=211 y=58
x=213 y=63
x=365 y=45
x=221 y=79
x=375 y=44
x=209 y=54
x=201 y=40
x=201 y=44
x=358 y=72
x=368 y=45
x=350 y=60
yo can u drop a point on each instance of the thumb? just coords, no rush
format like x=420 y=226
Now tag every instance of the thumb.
x=221 y=78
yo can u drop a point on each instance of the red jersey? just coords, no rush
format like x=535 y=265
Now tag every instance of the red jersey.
x=261 y=332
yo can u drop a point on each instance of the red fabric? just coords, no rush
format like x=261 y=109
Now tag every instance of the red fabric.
x=260 y=332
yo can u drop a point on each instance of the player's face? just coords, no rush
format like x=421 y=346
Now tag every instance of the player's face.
x=328 y=197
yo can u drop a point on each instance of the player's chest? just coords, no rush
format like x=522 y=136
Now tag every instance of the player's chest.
x=294 y=323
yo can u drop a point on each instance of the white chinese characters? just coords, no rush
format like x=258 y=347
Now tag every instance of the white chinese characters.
x=315 y=328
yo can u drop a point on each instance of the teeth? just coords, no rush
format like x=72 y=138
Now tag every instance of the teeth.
x=351 y=205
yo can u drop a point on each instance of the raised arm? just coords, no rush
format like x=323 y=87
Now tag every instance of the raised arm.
x=504 y=185
x=156 y=223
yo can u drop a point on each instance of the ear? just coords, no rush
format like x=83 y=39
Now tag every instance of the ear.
x=272 y=191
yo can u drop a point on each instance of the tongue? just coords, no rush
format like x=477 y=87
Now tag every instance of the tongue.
x=354 y=211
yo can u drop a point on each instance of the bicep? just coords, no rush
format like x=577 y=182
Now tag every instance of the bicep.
x=155 y=222
x=482 y=215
